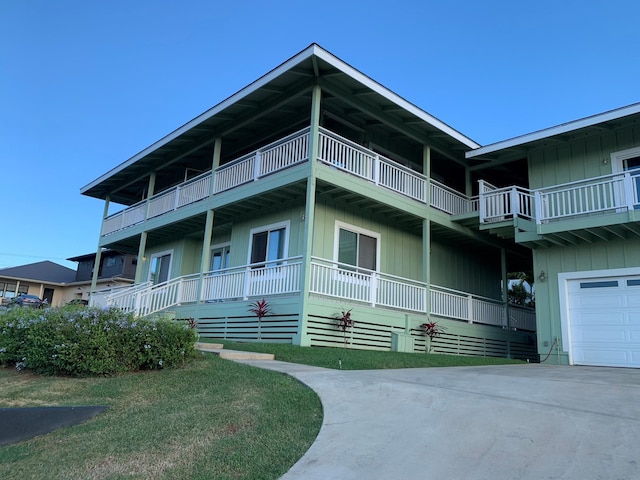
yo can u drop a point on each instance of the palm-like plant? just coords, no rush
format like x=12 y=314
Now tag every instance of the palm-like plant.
x=260 y=308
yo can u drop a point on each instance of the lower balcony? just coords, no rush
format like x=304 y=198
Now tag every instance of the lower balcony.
x=327 y=279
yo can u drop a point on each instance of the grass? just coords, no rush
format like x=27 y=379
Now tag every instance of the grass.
x=349 y=359
x=210 y=419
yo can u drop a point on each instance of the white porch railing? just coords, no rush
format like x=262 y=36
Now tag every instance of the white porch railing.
x=340 y=280
x=327 y=278
x=346 y=155
x=498 y=204
x=618 y=192
x=241 y=282
x=274 y=157
x=451 y=201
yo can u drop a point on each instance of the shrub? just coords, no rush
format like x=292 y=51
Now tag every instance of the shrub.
x=91 y=341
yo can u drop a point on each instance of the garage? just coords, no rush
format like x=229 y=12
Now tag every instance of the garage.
x=603 y=321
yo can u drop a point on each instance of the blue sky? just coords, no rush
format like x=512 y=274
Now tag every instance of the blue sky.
x=84 y=85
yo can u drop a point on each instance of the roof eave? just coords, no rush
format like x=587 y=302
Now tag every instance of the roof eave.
x=561 y=129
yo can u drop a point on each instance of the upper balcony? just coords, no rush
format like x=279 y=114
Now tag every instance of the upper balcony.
x=333 y=150
x=602 y=207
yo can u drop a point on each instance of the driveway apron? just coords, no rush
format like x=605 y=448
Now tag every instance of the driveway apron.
x=510 y=422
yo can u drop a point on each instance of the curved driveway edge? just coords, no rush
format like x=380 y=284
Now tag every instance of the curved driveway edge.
x=528 y=422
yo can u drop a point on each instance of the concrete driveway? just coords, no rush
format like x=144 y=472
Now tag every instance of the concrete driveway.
x=504 y=422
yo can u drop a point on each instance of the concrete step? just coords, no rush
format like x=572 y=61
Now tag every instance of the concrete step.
x=208 y=346
x=218 y=349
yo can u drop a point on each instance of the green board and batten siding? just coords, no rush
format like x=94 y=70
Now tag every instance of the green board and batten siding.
x=576 y=159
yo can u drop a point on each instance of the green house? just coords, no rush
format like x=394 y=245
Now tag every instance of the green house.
x=321 y=191
x=578 y=210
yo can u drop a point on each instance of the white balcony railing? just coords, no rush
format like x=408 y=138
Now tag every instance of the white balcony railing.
x=229 y=284
x=346 y=155
x=333 y=150
x=451 y=201
x=327 y=278
x=614 y=193
x=610 y=193
x=498 y=204
x=343 y=281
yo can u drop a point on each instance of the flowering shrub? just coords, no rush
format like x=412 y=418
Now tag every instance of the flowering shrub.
x=91 y=341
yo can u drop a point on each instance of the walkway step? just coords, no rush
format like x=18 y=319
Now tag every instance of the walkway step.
x=208 y=346
x=218 y=349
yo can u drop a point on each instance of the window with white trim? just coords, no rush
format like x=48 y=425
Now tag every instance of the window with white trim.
x=358 y=247
x=269 y=245
x=220 y=255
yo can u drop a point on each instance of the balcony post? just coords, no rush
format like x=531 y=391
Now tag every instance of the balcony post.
x=215 y=163
x=629 y=197
x=482 y=207
x=150 y=192
x=470 y=308
x=176 y=201
x=537 y=197
x=514 y=201
x=373 y=289
x=505 y=286
x=205 y=260
x=376 y=169
x=426 y=231
x=256 y=166
x=141 y=258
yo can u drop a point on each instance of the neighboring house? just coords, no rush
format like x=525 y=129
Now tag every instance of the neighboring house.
x=578 y=210
x=59 y=285
x=45 y=279
x=321 y=191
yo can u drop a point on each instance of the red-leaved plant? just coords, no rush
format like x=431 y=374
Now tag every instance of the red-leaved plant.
x=432 y=330
x=344 y=322
x=260 y=308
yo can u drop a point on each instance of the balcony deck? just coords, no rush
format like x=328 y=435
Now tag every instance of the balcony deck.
x=334 y=151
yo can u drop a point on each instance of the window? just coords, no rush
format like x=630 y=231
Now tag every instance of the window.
x=160 y=267
x=357 y=247
x=23 y=288
x=110 y=262
x=10 y=290
x=220 y=255
x=268 y=244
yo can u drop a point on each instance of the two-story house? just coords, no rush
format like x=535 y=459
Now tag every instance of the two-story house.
x=321 y=191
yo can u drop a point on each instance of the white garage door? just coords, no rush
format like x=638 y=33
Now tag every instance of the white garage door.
x=604 y=321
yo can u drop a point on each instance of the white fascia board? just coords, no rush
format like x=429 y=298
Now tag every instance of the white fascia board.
x=557 y=130
x=389 y=95
x=252 y=87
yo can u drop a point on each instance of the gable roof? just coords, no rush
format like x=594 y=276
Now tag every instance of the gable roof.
x=281 y=87
x=594 y=123
x=45 y=271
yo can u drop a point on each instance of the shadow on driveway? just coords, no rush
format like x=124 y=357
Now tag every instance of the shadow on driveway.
x=19 y=424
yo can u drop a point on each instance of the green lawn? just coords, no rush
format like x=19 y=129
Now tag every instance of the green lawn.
x=348 y=359
x=213 y=419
